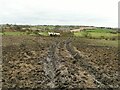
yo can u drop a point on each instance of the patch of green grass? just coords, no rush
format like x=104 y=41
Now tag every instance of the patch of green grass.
x=103 y=42
x=14 y=33
x=25 y=33
x=97 y=42
x=98 y=34
x=100 y=30
x=107 y=35
x=1 y=33
x=43 y=33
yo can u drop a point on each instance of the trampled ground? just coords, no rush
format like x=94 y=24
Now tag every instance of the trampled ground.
x=58 y=62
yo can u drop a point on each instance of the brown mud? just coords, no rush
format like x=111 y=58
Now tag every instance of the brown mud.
x=58 y=62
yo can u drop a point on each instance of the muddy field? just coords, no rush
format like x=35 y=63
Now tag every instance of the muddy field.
x=58 y=62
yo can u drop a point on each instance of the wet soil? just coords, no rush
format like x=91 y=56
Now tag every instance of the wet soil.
x=58 y=62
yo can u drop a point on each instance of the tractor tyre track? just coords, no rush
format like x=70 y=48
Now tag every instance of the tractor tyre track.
x=100 y=79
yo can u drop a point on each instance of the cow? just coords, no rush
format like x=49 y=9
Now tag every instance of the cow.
x=53 y=34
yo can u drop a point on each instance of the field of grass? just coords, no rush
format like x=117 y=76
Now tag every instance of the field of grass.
x=24 y=33
x=43 y=33
x=13 y=33
x=102 y=42
x=98 y=34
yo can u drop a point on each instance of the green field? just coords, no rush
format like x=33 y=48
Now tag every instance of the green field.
x=24 y=33
x=107 y=34
x=13 y=33
x=102 y=42
x=98 y=34
x=43 y=33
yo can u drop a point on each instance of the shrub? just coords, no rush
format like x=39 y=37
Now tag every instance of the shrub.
x=113 y=38
x=28 y=32
x=86 y=34
x=67 y=34
x=102 y=37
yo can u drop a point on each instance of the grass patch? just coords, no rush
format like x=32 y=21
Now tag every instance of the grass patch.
x=101 y=30
x=97 y=42
x=25 y=33
x=104 y=42
x=14 y=33
x=43 y=33
x=1 y=33
x=98 y=34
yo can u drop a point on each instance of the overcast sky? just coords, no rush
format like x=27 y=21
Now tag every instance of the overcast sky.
x=60 y=12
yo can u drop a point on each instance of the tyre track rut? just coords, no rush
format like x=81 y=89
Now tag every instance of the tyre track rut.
x=101 y=79
x=62 y=72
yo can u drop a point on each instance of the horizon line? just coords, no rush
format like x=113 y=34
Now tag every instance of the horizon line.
x=57 y=25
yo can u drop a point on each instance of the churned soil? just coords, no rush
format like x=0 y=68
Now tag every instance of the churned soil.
x=58 y=62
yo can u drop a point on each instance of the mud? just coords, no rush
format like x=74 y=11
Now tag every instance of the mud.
x=61 y=62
